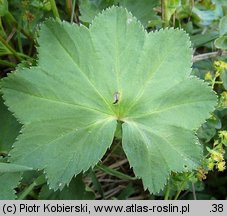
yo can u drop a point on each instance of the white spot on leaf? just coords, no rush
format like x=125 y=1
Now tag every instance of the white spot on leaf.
x=129 y=20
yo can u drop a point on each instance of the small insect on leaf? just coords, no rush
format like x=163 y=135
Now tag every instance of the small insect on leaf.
x=116 y=97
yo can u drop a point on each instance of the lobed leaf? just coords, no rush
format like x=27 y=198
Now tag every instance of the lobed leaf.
x=87 y=80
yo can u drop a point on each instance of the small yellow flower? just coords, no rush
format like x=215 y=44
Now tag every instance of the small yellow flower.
x=221 y=166
x=224 y=94
x=223 y=99
x=220 y=65
x=223 y=134
x=210 y=165
x=217 y=64
x=216 y=142
x=223 y=65
x=201 y=174
x=216 y=156
x=208 y=76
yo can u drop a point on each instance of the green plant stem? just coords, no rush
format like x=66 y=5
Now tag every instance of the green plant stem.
x=114 y=172
x=2 y=28
x=165 y=21
x=54 y=8
x=24 y=194
x=167 y=192
x=177 y=195
x=19 y=40
x=10 y=48
x=73 y=9
x=193 y=191
x=214 y=79
x=20 y=47
x=180 y=190
x=30 y=49
x=208 y=154
x=68 y=4
x=7 y=63
x=38 y=181
x=24 y=56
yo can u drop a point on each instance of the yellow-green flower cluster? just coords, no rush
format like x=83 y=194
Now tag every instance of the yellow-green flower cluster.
x=201 y=173
x=216 y=157
x=223 y=100
x=220 y=65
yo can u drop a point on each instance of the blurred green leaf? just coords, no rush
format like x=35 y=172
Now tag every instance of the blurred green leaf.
x=90 y=8
x=223 y=77
x=8 y=181
x=179 y=182
x=142 y=10
x=41 y=5
x=221 y=43
x=9 y=128
x=3 y=7
x=75 y=191
x=201 y=39
x=223 y=26
x=4 y=50
x=207 y=16
x=171 y=7
x=126 y=192
x=208 y=130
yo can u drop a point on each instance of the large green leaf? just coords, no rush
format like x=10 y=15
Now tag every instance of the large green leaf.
x=88 y=79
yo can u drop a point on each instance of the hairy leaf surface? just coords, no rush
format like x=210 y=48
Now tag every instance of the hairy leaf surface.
x=87 y=79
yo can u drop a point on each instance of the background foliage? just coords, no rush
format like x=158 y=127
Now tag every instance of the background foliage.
x=204 y=21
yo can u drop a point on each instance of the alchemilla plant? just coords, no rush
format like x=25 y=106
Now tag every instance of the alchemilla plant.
x=113 y=74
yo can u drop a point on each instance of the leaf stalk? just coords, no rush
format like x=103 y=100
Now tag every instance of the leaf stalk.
x=54 y=8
